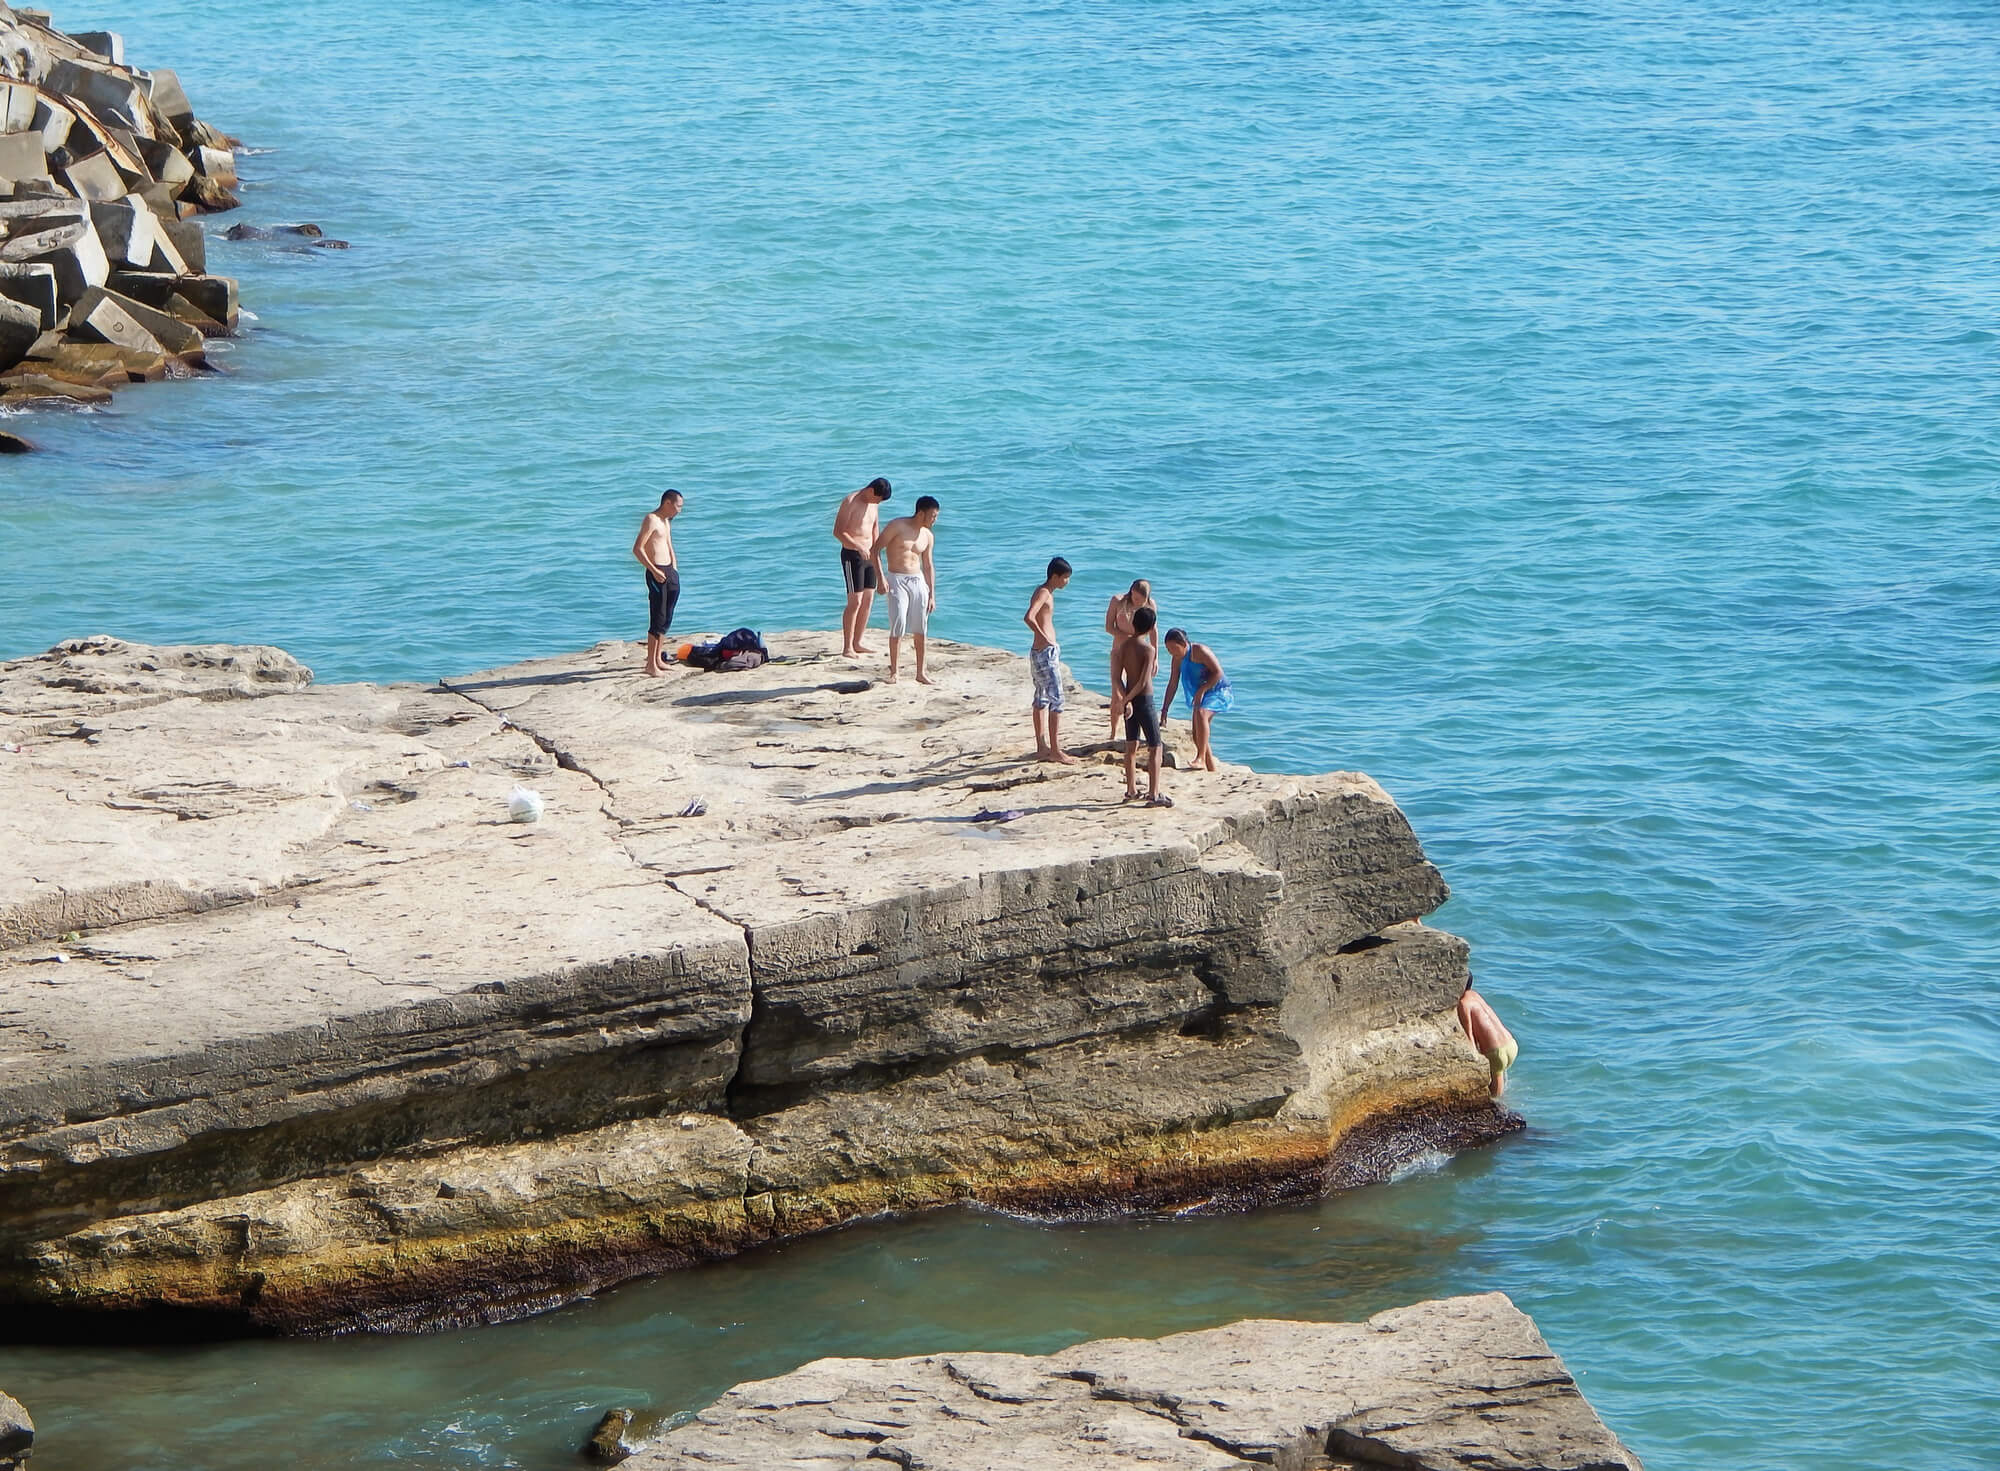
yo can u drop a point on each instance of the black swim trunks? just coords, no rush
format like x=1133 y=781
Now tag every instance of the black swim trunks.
x=1142 y=719
x=661 y=595
x=858 y=570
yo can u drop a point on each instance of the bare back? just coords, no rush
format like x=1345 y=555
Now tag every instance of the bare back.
x=1137 y=665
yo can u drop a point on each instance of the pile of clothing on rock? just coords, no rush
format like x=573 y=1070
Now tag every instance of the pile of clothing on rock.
x=735 y=651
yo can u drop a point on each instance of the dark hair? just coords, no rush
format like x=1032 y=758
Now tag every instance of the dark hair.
x=674 y=494
x=926 y=503
x=1171 y=636
x=1143 y=621
x=1059 y=568
x=879 y=486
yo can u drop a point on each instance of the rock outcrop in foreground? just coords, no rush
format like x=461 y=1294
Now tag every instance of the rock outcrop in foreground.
x=1453 y=1385
x=299 y=1033
x=103 y=273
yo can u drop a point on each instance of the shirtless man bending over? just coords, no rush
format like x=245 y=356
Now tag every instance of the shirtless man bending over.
x=854 y=529
x=655 y=551
x=907 y=542
x=1489 y=1035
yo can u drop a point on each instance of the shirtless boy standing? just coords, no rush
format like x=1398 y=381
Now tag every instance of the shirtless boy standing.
x=854 y=529
x=655 y=550
x=1045 y=661
x=907 y=542
x=1132 y=692
x=1483 y=1026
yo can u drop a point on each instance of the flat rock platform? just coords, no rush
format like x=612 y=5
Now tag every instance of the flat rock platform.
x=1457 y=1384
x=300 y=1032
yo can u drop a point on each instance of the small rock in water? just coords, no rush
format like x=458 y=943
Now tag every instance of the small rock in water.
x=607 y=1443
x=13 y=444
x=17 y=1433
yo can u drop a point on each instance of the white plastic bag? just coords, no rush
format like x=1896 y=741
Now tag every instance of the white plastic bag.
x=524 y=804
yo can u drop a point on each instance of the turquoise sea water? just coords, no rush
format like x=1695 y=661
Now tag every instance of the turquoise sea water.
x=1580 y=416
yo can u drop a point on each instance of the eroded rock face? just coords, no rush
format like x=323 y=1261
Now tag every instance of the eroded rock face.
x=298 y=1031
x=1452 y=1385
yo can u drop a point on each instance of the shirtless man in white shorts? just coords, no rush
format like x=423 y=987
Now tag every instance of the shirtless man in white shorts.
x=905 y=544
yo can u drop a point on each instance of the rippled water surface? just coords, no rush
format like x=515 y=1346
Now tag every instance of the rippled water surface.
x=1581 y=417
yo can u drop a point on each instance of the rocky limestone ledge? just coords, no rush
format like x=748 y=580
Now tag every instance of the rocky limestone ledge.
x=1452 y=1385
x=298 y=1032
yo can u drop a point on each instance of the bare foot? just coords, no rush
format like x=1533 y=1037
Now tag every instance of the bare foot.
x=925 y=679
x=1061 y=758
x=892 y=679
x=864 y=648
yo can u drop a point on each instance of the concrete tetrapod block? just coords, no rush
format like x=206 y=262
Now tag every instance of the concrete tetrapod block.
x=105 y=91
x=95 y=177
x=17 y=215
x=169 y=101
x=126 y=229
x=213 y=296
x=20 y=326
x=160 y=199
x=101 y=317
x=21 y=156
x=123 y=146
x=53 y=121
x=107 y=44
x=168 y=164
x=104 y=365
x=75 y=253
x=40 y=386
x=171 y=334
x=33 y=286
x=215 y=164
x=17 y=107
x=212 y=299
x=190 y=246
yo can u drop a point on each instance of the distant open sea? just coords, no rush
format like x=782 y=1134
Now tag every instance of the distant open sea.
x=1580 y=416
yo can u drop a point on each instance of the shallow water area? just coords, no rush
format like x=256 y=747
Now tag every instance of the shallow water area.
x=1581 y=421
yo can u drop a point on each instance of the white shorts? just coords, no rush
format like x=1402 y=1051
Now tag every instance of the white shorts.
x=909 y=603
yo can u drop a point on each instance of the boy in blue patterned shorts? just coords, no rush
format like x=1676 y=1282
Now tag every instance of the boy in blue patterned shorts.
x=1045 y=661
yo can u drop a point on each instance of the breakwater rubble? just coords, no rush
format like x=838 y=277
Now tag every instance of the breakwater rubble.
x=104 y=275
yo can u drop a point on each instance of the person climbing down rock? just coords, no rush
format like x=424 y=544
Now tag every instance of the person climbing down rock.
x=1489 y=1035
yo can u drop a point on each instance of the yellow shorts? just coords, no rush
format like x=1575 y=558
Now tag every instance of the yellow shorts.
x=1502 y=1057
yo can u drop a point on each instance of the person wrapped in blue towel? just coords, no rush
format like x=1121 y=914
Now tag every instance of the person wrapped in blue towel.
x=1199 y=672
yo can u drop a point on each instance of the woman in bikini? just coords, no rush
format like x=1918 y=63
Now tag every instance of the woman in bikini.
x=1199 y=672
x=1118 y=623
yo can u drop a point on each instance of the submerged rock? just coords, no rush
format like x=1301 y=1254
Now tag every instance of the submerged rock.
x=17 y=1433
x=607 y=1442
x=1451 y=1385
x=337 y=1046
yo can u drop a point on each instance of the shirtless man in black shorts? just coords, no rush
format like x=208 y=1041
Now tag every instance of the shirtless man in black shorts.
x=1132 y=691
x=860 y=566
x=655 y=551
